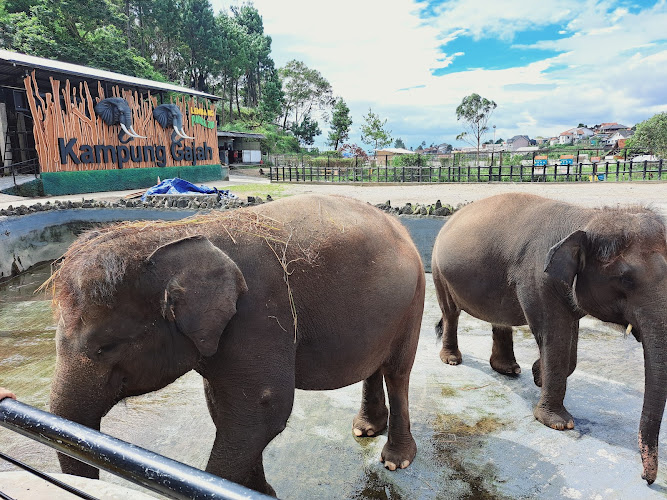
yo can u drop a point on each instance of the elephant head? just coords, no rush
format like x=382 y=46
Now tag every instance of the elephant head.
x=121 y=336
x=169 y=115
x=619 y=261
x=116 y=111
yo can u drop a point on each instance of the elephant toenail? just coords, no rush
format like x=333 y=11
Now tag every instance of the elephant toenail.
x=405 y=463
x=358 y=432
x=390 y=465
x=370 y=433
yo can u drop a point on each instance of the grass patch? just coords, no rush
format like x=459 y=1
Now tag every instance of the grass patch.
x=261 y=190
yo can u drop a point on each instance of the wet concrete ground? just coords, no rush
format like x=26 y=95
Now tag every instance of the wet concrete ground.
x=474 y=428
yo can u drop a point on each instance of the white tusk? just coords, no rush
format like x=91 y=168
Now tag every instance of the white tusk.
x=137 y=135
x=182 y=134
x=122 y=125
x=628 y=330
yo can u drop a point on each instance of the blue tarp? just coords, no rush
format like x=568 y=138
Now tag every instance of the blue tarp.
x=180 y=186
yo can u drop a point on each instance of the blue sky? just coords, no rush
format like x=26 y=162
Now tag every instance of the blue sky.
x=548 y=65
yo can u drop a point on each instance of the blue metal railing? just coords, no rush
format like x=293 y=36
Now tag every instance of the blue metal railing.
x=153 y=471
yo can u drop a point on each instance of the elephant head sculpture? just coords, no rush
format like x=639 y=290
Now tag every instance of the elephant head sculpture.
x=170 y=115
x=116 y=111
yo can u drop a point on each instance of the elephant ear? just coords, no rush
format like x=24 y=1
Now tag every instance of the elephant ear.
x=201 y=293
x=565 y=258
x=162 y=115
x=105 y=110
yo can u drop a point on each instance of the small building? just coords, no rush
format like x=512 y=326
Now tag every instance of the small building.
x=518 y=141
x=618 y=136
x=239 y=147
x=386 y=154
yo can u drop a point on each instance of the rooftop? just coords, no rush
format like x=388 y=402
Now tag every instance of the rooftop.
x=14 y=66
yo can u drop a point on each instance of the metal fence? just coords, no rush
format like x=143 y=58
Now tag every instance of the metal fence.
x=374 y=172
x=133 y=463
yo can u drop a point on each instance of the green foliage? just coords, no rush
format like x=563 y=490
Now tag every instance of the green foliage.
x=399 y=143
x=651 y=135
x=340 y=124
x=373 y=132
x=406 y=160
x=306 y=131
x=273 y=99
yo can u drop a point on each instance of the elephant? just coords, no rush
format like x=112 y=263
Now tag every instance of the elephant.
x=116 y=111
x=311 y=292
x=169 y=115
x=517 y=259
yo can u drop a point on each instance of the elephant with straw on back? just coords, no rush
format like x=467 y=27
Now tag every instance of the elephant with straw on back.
x=310 y=292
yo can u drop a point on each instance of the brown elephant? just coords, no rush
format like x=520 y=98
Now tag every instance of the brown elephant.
x=517 y=259
x=310 y=292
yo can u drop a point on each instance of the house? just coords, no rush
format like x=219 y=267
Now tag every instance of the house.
x=611 y=127
x=518 y=141
x=619 y=135
x=574 y=135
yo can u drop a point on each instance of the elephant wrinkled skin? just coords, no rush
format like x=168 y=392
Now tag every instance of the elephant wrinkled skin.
x=519 y=259
x=311 y=292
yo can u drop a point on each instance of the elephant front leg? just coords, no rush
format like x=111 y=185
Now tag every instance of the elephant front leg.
x=552 y=370
x=247 y=414
x=372 y=417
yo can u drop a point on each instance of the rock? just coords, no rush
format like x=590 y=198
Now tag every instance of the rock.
x=251 y=200
x=182 y=203
x=268 y=197
x=438 y=204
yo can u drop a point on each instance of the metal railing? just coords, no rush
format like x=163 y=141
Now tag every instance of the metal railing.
x=153 y=471
x=374 y=173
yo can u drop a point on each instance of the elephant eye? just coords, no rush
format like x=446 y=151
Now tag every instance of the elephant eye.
x=106 y=348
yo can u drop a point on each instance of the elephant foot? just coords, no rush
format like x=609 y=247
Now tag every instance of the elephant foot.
x=398 y=456
x=451 y=357
x=505 y=366
x=537 y=373
x=369 y=423
x=556 y=419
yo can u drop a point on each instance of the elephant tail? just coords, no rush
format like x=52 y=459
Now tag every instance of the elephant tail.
x=439 y=330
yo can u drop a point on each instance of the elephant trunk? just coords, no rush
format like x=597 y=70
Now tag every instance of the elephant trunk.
x=73 y=402
x=655 y=394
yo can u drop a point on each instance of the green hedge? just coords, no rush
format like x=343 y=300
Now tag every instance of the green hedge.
x=31 y=189
x=94 y=181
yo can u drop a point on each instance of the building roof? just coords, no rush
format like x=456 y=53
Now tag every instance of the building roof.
x=14 y=65
x=396 y=151
x=517 y=137
x=240 y=135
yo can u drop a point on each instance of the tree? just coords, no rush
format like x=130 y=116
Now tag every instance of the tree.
x=340 y=124
x=651 y=135
x=273 y=97
x=306 y=130
x=373 y=132
x=475 y=112
x=305 y=90
x=399 y=143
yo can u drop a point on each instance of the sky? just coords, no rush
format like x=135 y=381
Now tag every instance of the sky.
x=548 y=65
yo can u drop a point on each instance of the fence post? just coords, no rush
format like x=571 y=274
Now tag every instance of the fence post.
x=660 y=170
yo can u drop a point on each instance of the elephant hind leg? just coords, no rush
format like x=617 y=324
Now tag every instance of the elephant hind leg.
x=447 y=327
x=502 y=353
x=372 y=416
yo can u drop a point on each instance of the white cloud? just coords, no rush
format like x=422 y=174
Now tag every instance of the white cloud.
x=610 y=63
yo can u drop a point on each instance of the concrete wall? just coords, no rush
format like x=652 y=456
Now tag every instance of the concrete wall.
x=28 y=240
